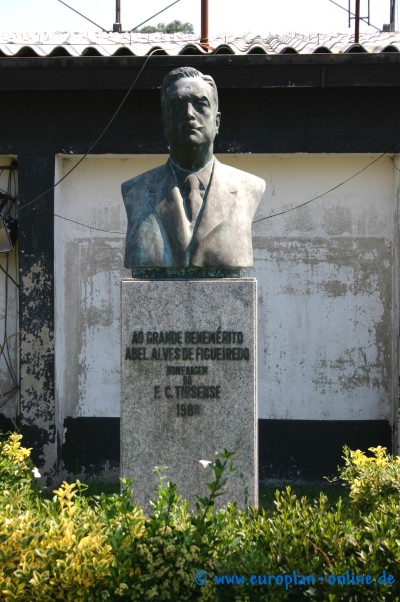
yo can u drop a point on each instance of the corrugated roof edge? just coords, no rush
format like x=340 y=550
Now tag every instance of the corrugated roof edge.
x=107 y=45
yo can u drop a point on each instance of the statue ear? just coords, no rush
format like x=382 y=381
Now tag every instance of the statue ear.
x=163 y=125
x=218 y=120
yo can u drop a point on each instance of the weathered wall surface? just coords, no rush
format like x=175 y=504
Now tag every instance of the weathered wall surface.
x=327 y=273
x=9 y=327
x=328 y=280
x=338 y=371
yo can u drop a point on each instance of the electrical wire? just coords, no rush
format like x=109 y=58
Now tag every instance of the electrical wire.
x=81 y=15
x=152 y=16
x=95 y=143
x=67 y=219
x=9 y=275
x=109 y=31
x=8 y=365
x=319 y=196
x=6 y=397
x=4 y=348
x=108 y=125
x=350 y=13
x=255 y=221
x=5 y=351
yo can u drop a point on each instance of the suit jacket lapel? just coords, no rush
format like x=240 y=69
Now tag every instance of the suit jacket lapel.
x=220 y=200
x=167 y=203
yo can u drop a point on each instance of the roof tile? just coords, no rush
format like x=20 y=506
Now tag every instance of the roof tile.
x=125 y=44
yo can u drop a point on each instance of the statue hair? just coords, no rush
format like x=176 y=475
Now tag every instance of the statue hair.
x=181 y=73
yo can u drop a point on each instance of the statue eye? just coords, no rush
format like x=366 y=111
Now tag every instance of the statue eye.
x=201 y=104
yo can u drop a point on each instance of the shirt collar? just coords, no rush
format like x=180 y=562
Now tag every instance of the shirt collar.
x=204 y=174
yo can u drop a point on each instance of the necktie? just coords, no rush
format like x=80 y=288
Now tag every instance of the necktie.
x=194 y=200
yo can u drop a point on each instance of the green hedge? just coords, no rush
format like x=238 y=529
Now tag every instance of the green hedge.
x=81 y=548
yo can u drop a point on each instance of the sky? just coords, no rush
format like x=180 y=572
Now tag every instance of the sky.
x=237 y=17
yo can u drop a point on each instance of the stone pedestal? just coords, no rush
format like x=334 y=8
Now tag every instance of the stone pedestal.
x=189 y=384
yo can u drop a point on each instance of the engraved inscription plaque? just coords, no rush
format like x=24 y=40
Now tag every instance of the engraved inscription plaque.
x=188 y=383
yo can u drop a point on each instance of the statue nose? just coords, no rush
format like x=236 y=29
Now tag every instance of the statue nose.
x=190 y=109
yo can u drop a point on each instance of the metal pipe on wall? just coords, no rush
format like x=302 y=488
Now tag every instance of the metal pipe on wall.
x=204 y=24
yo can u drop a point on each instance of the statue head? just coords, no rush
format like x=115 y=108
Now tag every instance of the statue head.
x=190 y=115
x=185 y=72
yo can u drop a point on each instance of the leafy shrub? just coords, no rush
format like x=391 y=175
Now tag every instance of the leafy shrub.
x=81 y=548
x=16 y=469
x=372 y=480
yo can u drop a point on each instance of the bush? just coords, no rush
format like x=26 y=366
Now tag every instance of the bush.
x=81 y=548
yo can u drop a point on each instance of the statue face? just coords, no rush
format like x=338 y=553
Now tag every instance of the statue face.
x=190 y=113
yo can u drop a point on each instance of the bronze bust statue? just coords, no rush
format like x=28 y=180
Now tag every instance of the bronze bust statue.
x=193 y=211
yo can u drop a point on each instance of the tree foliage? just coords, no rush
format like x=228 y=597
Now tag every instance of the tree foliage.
x=173 y=27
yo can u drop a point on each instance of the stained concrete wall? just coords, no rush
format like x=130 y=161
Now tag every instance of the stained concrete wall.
x=327 y=273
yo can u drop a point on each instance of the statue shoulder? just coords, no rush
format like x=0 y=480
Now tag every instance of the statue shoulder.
x=143 y=182
x=241 y=179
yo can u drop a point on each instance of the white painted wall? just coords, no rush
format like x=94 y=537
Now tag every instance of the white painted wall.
x=328 y=289
x=9 y=329
x=327 y=273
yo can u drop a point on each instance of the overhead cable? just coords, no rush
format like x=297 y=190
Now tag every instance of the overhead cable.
x=95 y=143
x=261 y=219
x=155 y=15
x=257 y=220
x=81 y=15
x=353 y=15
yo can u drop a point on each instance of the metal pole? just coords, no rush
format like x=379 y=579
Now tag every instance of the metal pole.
x=351 y=14
x=117 y=27
x=357 y=24
x=204 y=24
x=392 y=15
